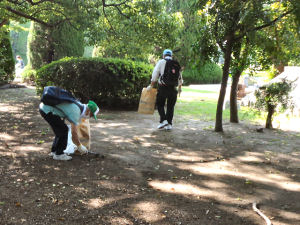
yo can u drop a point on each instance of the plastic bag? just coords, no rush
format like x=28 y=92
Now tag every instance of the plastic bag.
x=83 y=134
x=147 y=101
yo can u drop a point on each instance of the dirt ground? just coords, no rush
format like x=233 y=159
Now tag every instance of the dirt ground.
x=189 y=176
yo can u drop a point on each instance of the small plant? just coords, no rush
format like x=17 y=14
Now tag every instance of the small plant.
x=28 y=75
x=274 y=98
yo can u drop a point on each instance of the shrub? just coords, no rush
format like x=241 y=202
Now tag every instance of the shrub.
x=28 y=74
x=209 y=73
x=7 y=63
x=112 y=83
x=273 y=98
x=49 y=44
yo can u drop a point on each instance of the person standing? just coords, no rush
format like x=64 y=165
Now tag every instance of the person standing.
x=168 y=75
x=19 y=66
x=55 y=116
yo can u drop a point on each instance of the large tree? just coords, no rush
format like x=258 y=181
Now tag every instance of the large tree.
x=135 y=30
x=230 y=22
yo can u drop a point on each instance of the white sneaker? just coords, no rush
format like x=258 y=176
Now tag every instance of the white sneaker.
x=168 y=127
x=63 y=157
x=162 y=125
x=51 y=154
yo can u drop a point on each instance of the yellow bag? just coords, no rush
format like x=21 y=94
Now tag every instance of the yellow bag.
x=147 y=101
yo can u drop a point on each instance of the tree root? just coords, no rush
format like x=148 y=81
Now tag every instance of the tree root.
x=254 y=207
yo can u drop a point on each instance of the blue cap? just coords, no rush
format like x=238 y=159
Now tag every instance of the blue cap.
x=168 y=52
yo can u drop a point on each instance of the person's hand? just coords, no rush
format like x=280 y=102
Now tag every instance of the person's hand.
x=82 y=149
x=149 y=88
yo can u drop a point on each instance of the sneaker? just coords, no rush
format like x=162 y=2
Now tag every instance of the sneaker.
x=51 y=154
x=168 y=127
x=63 y=157
x=162 y=125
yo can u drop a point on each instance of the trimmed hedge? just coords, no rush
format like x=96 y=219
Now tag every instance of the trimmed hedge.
x=111 y=83
x=50 y=44
x=209 y=73
x=7 y=63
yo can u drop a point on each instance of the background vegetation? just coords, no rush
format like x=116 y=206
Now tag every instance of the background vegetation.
x=113 y=83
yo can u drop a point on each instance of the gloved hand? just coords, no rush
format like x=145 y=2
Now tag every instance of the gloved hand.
x=149 y=88
x=82 y=149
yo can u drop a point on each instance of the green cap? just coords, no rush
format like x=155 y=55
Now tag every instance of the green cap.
x=93 y=108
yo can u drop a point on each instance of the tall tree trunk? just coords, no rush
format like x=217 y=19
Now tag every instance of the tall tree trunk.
x=269 y=117
x=227 y=59
x=234 y=118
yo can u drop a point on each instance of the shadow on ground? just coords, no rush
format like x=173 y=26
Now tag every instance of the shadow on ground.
x=190 y=175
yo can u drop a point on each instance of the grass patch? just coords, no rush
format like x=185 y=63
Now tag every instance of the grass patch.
x=187 y=89
x=202 y=105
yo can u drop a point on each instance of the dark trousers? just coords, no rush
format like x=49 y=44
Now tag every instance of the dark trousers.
x=164 y=94
x=60 y=130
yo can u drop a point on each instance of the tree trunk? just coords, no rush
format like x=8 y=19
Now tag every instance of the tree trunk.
x=234 y=118
x=269 y=117
x=227 y=59
x=280 y=67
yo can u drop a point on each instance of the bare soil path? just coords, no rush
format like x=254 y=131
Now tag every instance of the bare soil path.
x=189 y=176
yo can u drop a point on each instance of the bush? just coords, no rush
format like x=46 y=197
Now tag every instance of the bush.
x=49 y=44
x=28 y=74
x=209 y=73
x=112 y=83
x=7 y=63
x=273 y=98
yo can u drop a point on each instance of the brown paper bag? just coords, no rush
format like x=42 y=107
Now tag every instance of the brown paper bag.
x=84 y=134
x=147 y=101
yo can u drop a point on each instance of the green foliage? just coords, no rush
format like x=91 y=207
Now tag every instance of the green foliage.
x=274 y=98
x=49 y=44
x=7 y=63
x=209 y=73
x=275 y=94
x=197 y=104
x=18 y=38
x=112 y=83
x=143 y=28
x=28 y=74
x=38 y=47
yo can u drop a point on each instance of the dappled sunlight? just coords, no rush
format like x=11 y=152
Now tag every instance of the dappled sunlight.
x=6 y=137
x=181 y=188
x=111 y=125
x=183 y=156
x=148 y=211
x=96 y=203
x=250 y=157
x=242 y=172
x=100 y=202
x=286 y=214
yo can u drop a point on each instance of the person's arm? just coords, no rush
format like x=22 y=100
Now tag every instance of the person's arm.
x=155 y=76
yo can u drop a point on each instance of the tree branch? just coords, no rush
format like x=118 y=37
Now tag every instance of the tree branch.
x=115 y=4
x=18 y=13
x=266 y=25
x=3 y=22
x=216 y=36
x=39 y=2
